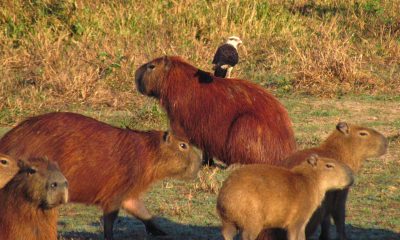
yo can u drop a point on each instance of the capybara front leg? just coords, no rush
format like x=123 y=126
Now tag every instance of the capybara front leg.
x=208 y=159
x=108 y=220
x=137 y=208
x=228 y=230
x=296 y=232
x=339 y=213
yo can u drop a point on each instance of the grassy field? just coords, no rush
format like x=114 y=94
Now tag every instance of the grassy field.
x=187 y=209
x=327 y=60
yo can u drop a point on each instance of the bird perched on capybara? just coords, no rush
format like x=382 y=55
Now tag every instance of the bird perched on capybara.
x=8 y=168
x=349 y=144
x=28 y=202
x=260 y=196
x=105 y=165
x=232 y=119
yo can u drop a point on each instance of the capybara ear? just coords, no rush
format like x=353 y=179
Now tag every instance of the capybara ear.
x=167 y=137
x=204 y=77
x=167 y=62
x=312 y=160
x=343 y=127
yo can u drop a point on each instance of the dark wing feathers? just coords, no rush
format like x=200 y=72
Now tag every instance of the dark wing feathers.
x=226 y=54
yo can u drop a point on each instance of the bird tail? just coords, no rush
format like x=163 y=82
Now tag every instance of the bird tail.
x=220 y=72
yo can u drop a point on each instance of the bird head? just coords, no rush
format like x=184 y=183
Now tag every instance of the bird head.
x=234 y=41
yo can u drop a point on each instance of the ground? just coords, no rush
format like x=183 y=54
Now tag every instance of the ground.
x=186 y=210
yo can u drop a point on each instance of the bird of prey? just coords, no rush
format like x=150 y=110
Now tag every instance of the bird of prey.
x=226 y=57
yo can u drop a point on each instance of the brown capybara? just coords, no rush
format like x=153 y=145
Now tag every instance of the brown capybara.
x=8 y=168
x=349 y=144
x=107 y=166
x=259 y=196
x=28 y=202
x=232 y=119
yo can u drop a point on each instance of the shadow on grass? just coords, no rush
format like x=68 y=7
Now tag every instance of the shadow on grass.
x=130 y=228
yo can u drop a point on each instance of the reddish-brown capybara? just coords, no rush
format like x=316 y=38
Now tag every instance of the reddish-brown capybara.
x=259 y=196
x=232 y=119
x=105 y=165
x=28 y=202
x=349 y=144
x=8 y=168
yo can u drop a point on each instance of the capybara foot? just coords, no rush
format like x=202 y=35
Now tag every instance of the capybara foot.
x=153 y=229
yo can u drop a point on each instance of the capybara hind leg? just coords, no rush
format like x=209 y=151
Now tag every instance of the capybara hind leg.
x=137 y=208
x=228 y=230
x=325 y=228
x=208 y=159
x=339 y=213
x=108 y=219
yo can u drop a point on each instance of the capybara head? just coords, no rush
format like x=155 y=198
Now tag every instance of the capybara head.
x=150 y=76
x=8 y=168
x=179 y=159
x=41 y=183
x=361 y=140
x=330 y=174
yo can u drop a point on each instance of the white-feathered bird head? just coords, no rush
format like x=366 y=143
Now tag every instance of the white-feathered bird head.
x=234 y=41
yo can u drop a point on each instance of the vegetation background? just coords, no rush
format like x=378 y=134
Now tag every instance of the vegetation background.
x=325 y=59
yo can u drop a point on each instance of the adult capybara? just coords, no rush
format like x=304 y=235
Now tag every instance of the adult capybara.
x=259 y=196
x=232 y=119
x=107 y=166
x=28 y=202
x=8 y=168
x=349 y=144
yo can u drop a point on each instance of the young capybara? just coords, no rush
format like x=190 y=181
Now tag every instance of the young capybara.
x=234 y=120
x=259 y=196
x=8 y=168
x=349 y=144
x=107 y=166
x=28 y=202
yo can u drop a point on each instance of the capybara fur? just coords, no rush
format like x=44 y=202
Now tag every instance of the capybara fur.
x=260 y=196
x=234 y=120
x=8 y=169
x=105 y=165
x=351 y=145
x=28 y=202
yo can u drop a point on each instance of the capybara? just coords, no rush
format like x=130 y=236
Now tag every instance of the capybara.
x=349 y=144
x=232 y=119
x=28 y=202
x=8 y=168
x=260 y=196
x=105 y=165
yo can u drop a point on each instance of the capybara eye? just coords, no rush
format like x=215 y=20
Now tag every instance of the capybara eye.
x=54 y=185
x=330 y=165
x=151 y=66
x=31 y=171
x=183 y=145
x=4 y=162
x=363 y=133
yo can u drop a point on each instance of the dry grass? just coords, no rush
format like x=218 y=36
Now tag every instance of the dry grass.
x=62 y=53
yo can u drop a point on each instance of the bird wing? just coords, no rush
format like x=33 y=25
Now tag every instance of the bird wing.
x=226 y=54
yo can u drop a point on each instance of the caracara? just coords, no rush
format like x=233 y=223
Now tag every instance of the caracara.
x=226 y=57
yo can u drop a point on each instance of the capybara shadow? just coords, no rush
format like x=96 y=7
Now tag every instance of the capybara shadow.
x=105 y=165
x=28 y=202
x=234 y=120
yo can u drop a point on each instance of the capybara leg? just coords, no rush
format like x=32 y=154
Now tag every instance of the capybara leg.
x=248 y=234
x=228 y=230
x=137 y=208
x=208 y=159
x=339 y=213
x=108 y=219
x=296 y=232
x=325 y=228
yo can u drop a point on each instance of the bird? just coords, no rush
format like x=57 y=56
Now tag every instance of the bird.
x=226 y=57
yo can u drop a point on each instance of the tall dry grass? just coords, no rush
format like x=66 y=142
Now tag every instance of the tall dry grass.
x=62 y=54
